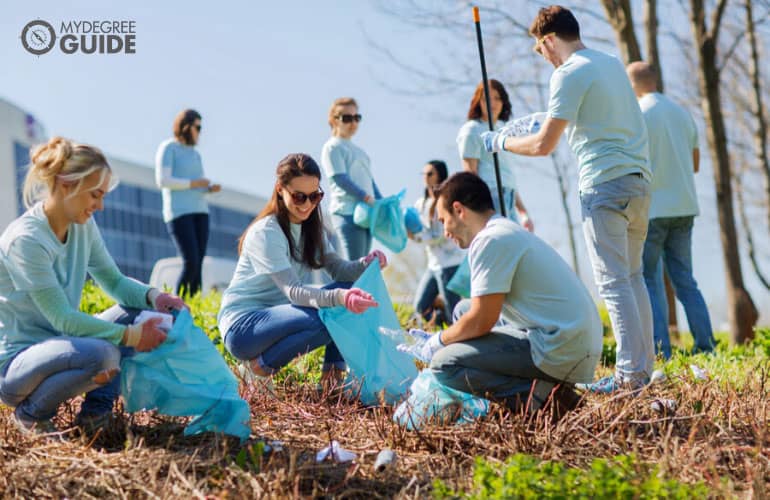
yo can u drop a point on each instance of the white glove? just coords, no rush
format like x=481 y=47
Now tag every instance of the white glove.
x=424 y=346
x=494 y=142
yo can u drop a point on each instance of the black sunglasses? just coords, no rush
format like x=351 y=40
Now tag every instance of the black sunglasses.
x=299 y=198
x=350 y=118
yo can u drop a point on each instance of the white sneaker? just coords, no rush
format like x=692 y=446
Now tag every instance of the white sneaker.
x=250 y=378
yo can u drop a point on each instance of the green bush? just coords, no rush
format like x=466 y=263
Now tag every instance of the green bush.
x=527 y=477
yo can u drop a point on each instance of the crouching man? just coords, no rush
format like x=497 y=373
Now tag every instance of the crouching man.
x=530 y=324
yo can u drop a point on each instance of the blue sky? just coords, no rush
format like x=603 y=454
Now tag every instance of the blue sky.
x=263 y=74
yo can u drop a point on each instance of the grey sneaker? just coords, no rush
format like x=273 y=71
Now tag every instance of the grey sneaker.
x=30 y=427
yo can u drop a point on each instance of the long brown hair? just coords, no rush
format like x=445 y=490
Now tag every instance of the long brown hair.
x=182 y=125
x=474 y=111
x=311 y=238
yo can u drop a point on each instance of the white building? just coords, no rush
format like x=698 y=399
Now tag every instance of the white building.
x=131 y=223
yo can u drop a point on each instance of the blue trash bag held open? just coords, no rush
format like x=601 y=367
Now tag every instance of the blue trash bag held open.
x=386 y=222
x=375 y=363
x=186 y=376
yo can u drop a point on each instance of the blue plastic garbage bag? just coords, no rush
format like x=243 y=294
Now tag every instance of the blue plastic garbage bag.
x=375 y=364
x=412 y=220
x=186 y=376
x=460 y=283
x=386 y=222
x=361 y=214
x=429 y=400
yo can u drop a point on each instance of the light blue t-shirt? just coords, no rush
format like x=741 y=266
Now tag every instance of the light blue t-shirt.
x=265 y=252
x=471 y=146
x=543 y=296
x=341 y=156
x=440 y=251
x=673 y=136
x=606 y=129
x=185 y=163
x=33 y=259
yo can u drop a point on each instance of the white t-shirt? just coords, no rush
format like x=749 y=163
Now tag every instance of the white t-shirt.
x=265 y=251
x=673 y=136
x=441 y=252
x=543 y=296
x=341 y=156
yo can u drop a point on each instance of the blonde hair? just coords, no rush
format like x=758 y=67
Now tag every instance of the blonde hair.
x=66 y=161
x=338 y=103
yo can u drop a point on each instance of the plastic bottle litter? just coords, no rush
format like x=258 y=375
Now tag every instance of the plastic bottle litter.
x=336 y=452
x=663 y=406
x=657 y=377
x=385 y=459
x=699 y=373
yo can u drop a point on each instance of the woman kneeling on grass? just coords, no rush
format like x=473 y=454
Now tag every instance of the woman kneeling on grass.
x=269 y=312
x=49 y=350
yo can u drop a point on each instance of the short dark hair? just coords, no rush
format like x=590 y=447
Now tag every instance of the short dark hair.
x=468 y=189
x=182 y=125
x=555 y=19
x=474 y=111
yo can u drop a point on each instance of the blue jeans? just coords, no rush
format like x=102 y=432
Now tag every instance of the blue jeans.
x=432 y=284
x=509 y=198
x=276 y=335
x=614 y=217
x=190 y=233
x=669 y=243
x=355 y=241
x=46 y=374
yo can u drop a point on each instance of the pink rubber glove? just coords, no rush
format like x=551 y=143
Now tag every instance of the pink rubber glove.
x=165 y=302
x=376 y=254
x=358 y=301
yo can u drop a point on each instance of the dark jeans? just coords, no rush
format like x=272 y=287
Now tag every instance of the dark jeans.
x=669 y=243
x=191 y=235
x=432 y=285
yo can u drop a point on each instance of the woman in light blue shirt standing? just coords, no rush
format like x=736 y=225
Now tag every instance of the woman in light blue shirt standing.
x=179 y=173
x=50 y=351
x=444 y=256
x=350 y=177
x=477 y=160
x=269 y=313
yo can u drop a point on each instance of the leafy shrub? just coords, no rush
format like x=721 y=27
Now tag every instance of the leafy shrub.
x=526 y=477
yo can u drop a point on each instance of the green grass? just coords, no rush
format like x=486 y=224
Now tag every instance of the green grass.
x=631 y=460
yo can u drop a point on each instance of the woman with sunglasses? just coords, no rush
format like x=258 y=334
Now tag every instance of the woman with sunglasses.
x=51 y=352
x=179 y=173
x=444 y=256
x=477 y=160
x=350 y=177
x=269 y=313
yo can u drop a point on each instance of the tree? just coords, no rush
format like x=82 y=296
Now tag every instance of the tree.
x=742 y=314
x=621 y=20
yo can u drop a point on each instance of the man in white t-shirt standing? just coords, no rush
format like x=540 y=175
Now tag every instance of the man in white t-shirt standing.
x=674 y=158
x=529 y=318
x=592 y=101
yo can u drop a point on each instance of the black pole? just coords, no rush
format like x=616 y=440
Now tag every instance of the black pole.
x=477 y=22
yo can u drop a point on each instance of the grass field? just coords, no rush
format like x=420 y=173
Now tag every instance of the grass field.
x=715 y=444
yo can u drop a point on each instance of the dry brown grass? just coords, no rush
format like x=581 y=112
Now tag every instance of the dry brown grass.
x=719 y=435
